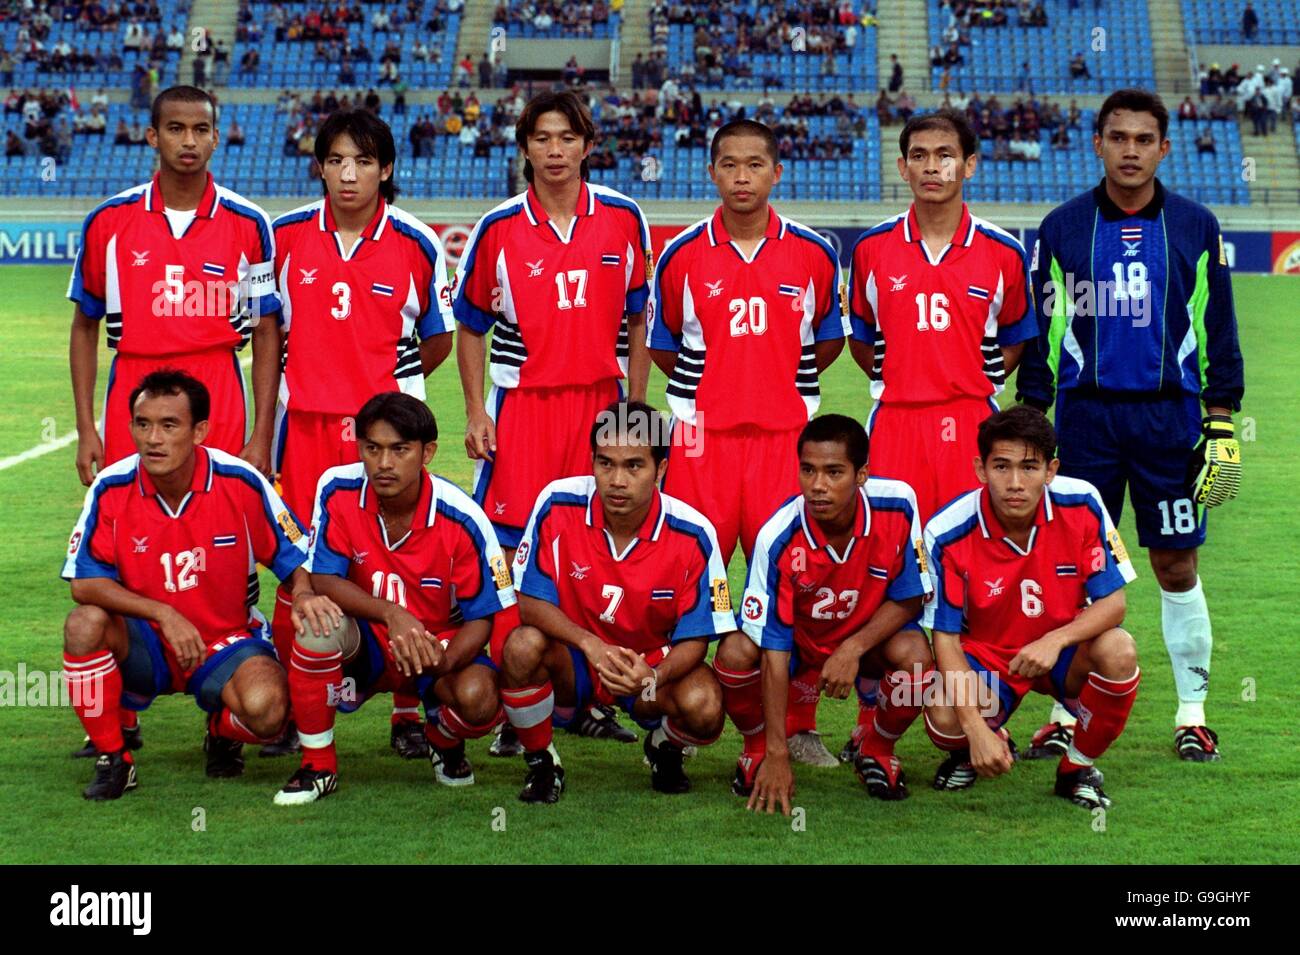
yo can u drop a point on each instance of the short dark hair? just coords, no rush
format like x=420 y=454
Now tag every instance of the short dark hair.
x=172 y=381
x=371 y=134
x=949 y=120
x=1138 y=101
x=840 y=429
x=180 y=94
x=565 y=102
x=635 y=420
x=744 y=127
x=407 y=415
x=1017 y=423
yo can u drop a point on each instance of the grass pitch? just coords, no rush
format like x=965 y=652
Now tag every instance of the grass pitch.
x=1243 y=809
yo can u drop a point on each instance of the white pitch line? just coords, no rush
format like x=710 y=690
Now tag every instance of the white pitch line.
x=45 y=447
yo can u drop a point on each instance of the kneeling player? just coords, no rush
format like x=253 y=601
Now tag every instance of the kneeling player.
x=835 y=587
x=1035 y=567
x=163 y=563
x=406 y=555
x=621 y=588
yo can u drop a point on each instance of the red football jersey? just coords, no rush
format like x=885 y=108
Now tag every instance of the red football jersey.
x=937 y=321
x=745 y=329
x=669 y=584
x=555 y=303
x=449 y=558
x=164 y=294
x=203 y=558
x=1001 y=598
x=355 y=318
x=803 y=596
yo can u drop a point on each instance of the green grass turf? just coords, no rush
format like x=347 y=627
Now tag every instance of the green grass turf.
x=387 y=810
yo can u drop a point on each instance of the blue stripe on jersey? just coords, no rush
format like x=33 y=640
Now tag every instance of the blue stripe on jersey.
x=291 y=218
x=697 y=619
x=777 y=634
x=431 y=323
x=333 y=562
x=465 y=311
x=534 y=581
x=833 y=306
x=947 y=615
x=486 y=602
x=92 y=306
x=263 y=231
x=288 y=557
x=659 y=336
x=1108 y=579
x=86 y=565
x=622 y=202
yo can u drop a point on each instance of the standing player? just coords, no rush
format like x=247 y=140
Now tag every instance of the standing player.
x=366 y=310
x=399 y=551
x=1136 y=331
x=745 y=314
x=1029 y=576
x=163 y=562
x=180 y=270
x=940 y=315
x=834 y=590
x=558 y=274
x=621 y=588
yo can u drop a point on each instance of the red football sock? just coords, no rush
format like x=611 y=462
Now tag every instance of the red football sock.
x=95 y=687
x=130 y=718
x=949 y=744
x=898 y=704
x=449 y=729
x=529 y=708
x=801 y=710
x=742 y=698
x=312 y=675
x=229 y=726
x=406 y=707
x=1104 y=706
x=679 y=737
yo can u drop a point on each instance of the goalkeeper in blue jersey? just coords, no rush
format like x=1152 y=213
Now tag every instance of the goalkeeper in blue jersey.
x=1136 y=333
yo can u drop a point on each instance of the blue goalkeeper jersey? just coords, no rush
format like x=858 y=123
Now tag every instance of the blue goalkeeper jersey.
x=1137 y=303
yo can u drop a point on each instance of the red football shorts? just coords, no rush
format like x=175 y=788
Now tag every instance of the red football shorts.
x=543 y=434
x=218 y=369
x=736 y=478
x=930 y=447
x=310 y=444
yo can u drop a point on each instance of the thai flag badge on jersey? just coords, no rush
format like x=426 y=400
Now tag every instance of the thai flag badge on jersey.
x=880 y=573
x=1130 y=233
x=1067 y=570
x=791 y=290
x=611 y=258
x=434 y=582
x=214 y=268
x=974 y=291
x=381 y=289
x=661 y=594
x=225 y=540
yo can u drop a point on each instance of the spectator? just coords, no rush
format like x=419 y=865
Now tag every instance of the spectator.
x=905 y=105
x=175 y=40
x=1249 y=22
x=13 y=145
x=484 y=72
x=464 y=72
x=136 y=136
x=1257 y=110
x=235 y=134
x=1187 y=110
x=895 y=74
x=1061 y=137
x=1205 y=142
x=1079 y=68
x=251 y=59
x=122 y=137
x=1274 y=102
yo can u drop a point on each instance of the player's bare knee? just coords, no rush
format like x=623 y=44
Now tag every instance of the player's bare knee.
x=737 y=652
x=908 y=650
x=523 y=651
x=477 y=696
x=264 y=708
x=1114 y=654
x=85 y=630
x=944 y=719
x=699 y=698
x=342 y=638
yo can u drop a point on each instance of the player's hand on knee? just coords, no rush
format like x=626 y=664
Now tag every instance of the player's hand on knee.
x=316 y=612
x=773 y=786
x=184 y=638
x=989 y=754
x=90 y=457
x=839 y=673
x=1036 y=658
x=480 y=436
x=624 y=672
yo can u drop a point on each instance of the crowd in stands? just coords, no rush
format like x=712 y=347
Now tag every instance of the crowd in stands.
x=1263 y=96
x=965 y=18
x=726 y=34
x=575 y=19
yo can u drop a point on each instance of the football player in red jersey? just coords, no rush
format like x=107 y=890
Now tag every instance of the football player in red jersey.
x=367 y=309
x=558 y=274
x=744 y=315
x=834 y=592
x=416 y=566
x=621 y=589
x=180 y=271
x=1029 y=578
x=163 y=563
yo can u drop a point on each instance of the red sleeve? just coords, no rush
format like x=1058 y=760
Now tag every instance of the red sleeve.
x=664 y=311
x=862 y=318
x=474 y=287
x=88 y=287
x=467 y=566
x=1015 y=301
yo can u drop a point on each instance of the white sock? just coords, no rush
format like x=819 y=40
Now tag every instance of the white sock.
x=1061 y=715
x=1076 y=757
x=1185 y=620
x=1190 y=714
x=658 y=737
